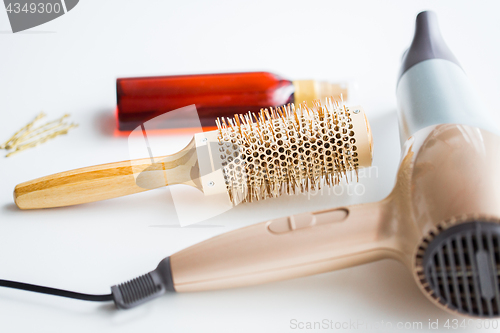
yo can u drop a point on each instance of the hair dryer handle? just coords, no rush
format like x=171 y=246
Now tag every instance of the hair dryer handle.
x=285 y=248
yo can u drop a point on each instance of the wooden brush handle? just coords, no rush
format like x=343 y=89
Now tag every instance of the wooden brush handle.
x=289 y=247
x=107 y=181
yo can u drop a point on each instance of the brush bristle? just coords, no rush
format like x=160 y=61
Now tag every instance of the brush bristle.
x=286 y=150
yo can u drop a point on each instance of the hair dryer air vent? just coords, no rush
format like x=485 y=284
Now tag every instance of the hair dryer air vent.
x=458 y=266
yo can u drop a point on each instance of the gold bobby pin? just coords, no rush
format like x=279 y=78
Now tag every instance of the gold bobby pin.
x=30 y=136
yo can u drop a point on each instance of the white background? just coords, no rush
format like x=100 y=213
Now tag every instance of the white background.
x=70 y=65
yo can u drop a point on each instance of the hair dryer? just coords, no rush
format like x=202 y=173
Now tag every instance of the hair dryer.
x=442 y=219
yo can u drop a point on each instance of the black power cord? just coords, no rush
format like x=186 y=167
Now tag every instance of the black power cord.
x=125 y=296
x=56 y=292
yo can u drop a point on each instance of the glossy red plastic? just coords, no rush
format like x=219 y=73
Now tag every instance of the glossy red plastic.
x=215 y=95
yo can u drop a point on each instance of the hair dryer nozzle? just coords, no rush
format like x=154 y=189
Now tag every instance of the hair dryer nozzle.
x=432 y=88
x=427 y=43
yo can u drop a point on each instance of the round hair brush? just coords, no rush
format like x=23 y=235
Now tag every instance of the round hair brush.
x=282 y=150
x=442 y=219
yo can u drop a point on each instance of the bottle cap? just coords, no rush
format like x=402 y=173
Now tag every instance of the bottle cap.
x=310 y=90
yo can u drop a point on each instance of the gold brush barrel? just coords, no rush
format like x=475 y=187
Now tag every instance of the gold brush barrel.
x=292 y=150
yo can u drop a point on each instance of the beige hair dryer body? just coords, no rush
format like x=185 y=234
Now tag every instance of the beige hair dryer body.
x=442 y=219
